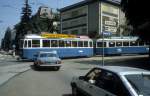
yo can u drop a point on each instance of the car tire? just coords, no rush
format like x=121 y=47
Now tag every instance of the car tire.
x=75 y=91
x=56 y=68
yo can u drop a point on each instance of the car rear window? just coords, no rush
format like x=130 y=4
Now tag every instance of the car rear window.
x=140 y=83
x=47 y=55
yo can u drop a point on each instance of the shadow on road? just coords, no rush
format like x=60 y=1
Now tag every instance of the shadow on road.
x=42 y=68
x=67 y=95
x=140 y=62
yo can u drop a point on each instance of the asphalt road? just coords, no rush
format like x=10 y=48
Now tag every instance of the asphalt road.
x=57 y=83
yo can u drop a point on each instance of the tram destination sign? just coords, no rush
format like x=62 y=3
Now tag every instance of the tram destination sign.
x=57 y=36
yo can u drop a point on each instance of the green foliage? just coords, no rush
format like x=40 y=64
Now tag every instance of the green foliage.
x=7 y=40
x=137 y=13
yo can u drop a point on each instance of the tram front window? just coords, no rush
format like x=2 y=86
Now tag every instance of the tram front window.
x=100 y=44
x=29 y=43
x=25 y=43
x=91 y=44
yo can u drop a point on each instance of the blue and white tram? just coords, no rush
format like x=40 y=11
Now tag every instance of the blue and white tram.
x=120 y=46
x=65 y=47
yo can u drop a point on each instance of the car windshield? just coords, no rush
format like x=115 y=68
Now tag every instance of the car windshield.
x=140 y=83
x=47 y=55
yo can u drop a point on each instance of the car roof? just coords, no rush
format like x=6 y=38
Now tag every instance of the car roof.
x=122 y=70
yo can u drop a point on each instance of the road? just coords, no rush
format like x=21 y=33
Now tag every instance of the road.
x=57 y=83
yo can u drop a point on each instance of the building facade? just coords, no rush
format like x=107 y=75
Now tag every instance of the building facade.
x=91 y=17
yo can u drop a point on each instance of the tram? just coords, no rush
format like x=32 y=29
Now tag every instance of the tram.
x=118 y=46
x=65 y=45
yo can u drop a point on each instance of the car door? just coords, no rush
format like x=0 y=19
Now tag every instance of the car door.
x=86 y=84
x=105 y=84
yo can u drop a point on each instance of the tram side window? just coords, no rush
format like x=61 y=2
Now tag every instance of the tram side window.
x=35 y=43
x=68 y=43
x=99 y=44
x=54 y=43
x=74 y=43
x=118 y=44
x=80 y=43
x=61 y=43
x=133 y=43
x=125 y=43
x=111 y=44
x=85 y=43
x=46 y=43
x=25 y=43
x=29 y=43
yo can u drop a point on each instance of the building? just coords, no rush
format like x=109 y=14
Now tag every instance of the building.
x=92 y=17
x=45 y=12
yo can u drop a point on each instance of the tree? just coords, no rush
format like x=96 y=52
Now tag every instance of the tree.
x=24 y=27
x=7 y=40
x=137 y=13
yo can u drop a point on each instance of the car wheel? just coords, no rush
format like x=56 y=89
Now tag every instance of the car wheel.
x=75 y=91
x=56 y=68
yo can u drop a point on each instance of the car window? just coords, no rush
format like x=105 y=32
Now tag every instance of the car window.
x=106 y=81
x=140 y=83
x=93 y=74
x=43 y=55
x=51 y=55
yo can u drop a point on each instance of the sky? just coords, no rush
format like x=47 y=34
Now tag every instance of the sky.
x=10 y=10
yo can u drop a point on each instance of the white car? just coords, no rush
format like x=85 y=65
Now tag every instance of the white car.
x=47 y=59
x=112 y=81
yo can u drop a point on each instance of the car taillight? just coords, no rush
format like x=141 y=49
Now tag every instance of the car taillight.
x=40 y=62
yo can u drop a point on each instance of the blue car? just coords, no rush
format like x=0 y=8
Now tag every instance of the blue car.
x=47 y=59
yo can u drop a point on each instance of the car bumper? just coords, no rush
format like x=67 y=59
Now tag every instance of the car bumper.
x=49 y=65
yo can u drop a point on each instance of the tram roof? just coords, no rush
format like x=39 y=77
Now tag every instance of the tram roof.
x=119 y=39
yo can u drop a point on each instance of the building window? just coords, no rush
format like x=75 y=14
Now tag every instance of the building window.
x=83 y=31
x=65 y=32
x=74 y=13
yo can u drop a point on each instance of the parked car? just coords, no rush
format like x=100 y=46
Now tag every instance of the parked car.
x=112 y=81
x=47 y=59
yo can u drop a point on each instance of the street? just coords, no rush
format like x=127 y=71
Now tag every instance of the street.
x=57 y=83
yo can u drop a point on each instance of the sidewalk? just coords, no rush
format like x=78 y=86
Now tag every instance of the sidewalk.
x=8 y=72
